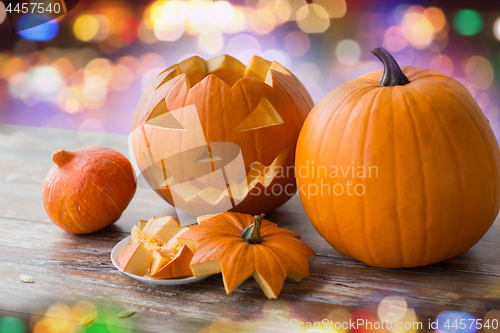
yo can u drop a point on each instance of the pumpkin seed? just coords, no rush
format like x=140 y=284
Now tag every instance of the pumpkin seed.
x=26 y=278
x=126 y=313
x=87 y=320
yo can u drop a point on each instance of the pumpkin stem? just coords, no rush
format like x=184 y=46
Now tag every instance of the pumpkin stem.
x=61 y=157
x=251 y=234
x=393 y=75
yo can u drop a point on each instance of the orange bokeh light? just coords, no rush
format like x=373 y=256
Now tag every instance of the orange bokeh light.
x=128 y=30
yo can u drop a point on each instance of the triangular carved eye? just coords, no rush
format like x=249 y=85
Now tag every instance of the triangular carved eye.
x=264 y=115
x=161 y=117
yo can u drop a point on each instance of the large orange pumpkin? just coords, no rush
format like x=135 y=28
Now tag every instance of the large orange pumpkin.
x=198 y=116
x=399 y=173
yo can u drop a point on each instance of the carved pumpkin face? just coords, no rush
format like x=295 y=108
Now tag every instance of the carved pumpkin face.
x=224 y=130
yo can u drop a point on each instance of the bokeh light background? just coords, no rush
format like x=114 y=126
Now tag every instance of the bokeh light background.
x=86 y=70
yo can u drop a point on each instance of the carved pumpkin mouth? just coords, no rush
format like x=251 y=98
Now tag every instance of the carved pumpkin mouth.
x=223 y=183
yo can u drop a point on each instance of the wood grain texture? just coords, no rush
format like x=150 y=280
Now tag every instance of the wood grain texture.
x=69 y=268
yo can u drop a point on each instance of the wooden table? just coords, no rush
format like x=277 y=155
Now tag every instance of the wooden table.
x=69 y=268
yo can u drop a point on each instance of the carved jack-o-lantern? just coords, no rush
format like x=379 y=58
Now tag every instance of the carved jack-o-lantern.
x=224 y=131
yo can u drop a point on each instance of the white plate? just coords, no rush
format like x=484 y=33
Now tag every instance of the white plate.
x=169 y=282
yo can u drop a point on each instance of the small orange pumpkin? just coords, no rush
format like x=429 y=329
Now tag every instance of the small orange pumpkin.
x=88 y=189
x=241 y=246
x=259 y=108
x=400 y=168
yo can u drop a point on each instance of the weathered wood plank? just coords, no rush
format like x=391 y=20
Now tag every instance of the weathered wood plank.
x=38 y=248
x=339 y=283
x=35 y=142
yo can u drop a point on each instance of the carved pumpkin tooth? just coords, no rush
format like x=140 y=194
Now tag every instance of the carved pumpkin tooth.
x=195 y=69
x=185 y=190
x=211 y=195
x=276 y=67
x=258 y=68
x=239 y=193
x=227 y=68
x=258 y=174
x=169 y=74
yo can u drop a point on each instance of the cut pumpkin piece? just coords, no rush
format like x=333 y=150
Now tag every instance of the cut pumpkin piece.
x=178 y=267
x=163 y=227
x=142 y=224
x=135 y=259
x=159 y=261
x=151 y=243
x=175 y=242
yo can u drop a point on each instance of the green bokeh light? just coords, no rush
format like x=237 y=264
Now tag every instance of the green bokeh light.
x=468 y=22
x=97 y=328
x=11 y=325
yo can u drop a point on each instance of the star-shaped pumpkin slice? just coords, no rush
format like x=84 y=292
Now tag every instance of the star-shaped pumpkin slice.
x=241 y=246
